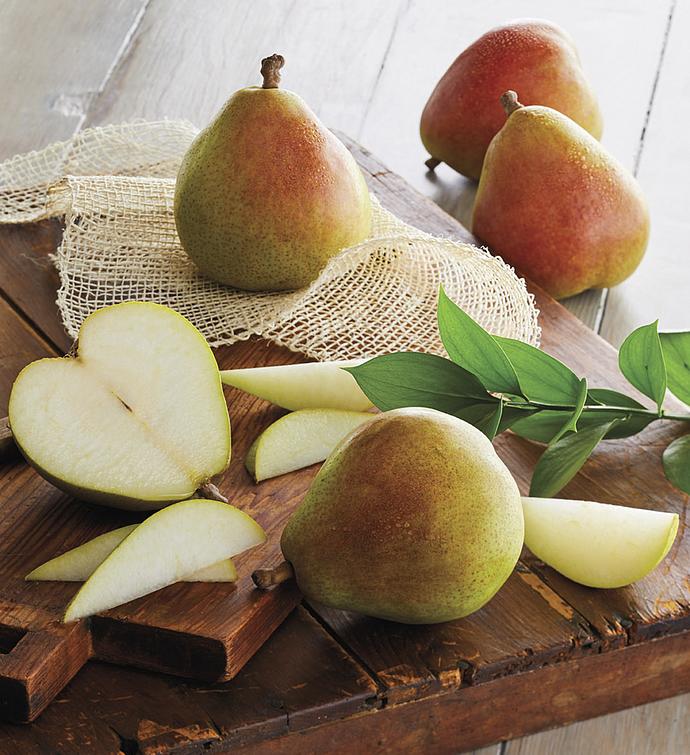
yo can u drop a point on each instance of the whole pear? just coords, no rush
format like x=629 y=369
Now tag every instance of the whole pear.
x=533 y=56
x=412 y=518
x=266 y=195
x=556 y=205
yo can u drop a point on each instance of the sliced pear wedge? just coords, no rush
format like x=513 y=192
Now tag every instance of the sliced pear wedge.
x=597 y=544
x=136 y=420
x=300 y=439
x=316 y=385
x=78 y=564
x=171 y=544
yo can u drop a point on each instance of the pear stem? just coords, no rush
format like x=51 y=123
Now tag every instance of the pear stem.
x=265 y=578
x=432 y=163
x=270 y=70
x=510 y=102
x=211 y=491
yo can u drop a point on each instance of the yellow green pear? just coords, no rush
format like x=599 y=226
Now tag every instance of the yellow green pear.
x=412 y=518
x=266 y=194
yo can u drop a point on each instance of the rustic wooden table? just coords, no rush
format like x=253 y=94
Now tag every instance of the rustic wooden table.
x=367 y=69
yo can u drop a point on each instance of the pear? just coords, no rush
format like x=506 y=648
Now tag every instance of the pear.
x=598 y=544
x=300 y=439
x=412 y=518
x=136 y=419
x=312 y=385
x=534 y=56
x=556 y=205
x=167 y=547
x=266 y=195
x=78 y=564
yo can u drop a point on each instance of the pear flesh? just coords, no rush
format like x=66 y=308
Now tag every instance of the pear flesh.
x=136 y=420
x=412 y=518
x=266 y=194
x=314 y=385
x=78 y=564
x=299 y=440
x=598 y=544
x=168 y=546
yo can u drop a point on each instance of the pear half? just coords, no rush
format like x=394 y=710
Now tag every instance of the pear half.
x=78 y=564
x=597 y=544
x=168 y=546
x=315 y=385
x=300 y=439
x=136 y=420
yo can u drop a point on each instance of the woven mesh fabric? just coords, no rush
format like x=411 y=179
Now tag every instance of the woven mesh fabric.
x=115 y=186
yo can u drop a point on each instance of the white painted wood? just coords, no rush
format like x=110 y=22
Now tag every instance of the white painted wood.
x=56 y=57
x=190 y=57
x=661 y=728
x=661 y=286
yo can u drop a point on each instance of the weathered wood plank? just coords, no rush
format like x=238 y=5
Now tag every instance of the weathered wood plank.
x=658 y=289
x=57 y=57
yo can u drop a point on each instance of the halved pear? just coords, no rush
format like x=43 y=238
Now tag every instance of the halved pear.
x=171 y=544
x=78 y=564
x=315 y=385
x=300 y=439
x=136 y=420
x=597 y=544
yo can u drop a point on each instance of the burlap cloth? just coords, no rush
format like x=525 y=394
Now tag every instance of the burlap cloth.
x=115 y=185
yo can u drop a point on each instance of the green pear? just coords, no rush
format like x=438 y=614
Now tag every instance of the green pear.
x=136 y=419
x=266 y=194
x=412 y=518
x=598 y=544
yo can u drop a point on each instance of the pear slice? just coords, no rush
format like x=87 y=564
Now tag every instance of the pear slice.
x=169 y=545
x=78 y=564
x=315 y=385
x=597 y=544
x=300 y=439
x=136 y=420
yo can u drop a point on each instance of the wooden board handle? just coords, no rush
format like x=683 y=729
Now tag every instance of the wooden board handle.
x=38 y=667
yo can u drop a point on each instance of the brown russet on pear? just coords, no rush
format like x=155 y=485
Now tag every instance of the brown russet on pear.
x=266 y=194
x=534 y=57
x=556 y=205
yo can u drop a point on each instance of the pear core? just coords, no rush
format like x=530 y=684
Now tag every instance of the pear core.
x=412 y=518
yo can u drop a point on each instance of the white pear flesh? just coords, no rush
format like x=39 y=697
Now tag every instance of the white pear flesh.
x=299 y=440
x=315 y=385
x=78 y=564
x=597 y=544
x=171 y=544
x=137 y=420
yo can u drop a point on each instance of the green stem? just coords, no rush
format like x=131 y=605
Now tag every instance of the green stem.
x=599 y=408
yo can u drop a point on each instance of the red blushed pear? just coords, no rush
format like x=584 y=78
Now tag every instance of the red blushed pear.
x=266 y=194
x=556 y=205
x=532 y=56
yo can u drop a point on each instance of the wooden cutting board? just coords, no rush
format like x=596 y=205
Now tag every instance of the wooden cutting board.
x=523 y=655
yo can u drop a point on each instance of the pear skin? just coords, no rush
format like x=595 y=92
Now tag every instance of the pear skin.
x=532 y=56
x=412 y=518
x=266 y=194
x=556 y=205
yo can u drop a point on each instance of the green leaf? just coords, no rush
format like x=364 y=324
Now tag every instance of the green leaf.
x=570 y=425
x=411 y=379
x=562 y=460
x=676 y=460
x=543 y=378
x=511 y=415
x=485 y=417
x=676 y=350
x=609 y=397
x=471 y=347
x=543 y=426
x=641 y=360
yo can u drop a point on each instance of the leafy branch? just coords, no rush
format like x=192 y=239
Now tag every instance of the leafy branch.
x=497 y=384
